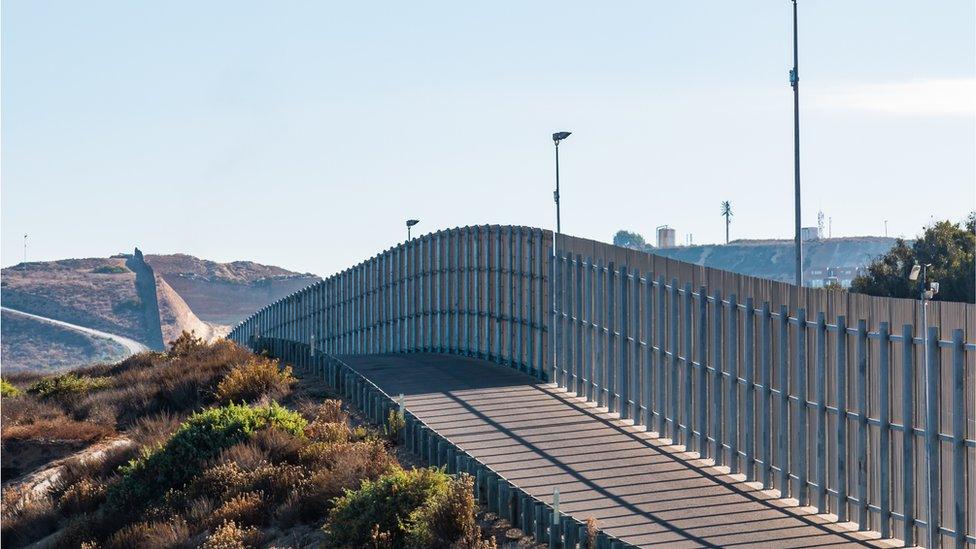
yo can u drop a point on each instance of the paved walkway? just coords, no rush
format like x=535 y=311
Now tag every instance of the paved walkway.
x=540 y=437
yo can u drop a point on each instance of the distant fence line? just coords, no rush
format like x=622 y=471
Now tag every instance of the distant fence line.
x=813 y=401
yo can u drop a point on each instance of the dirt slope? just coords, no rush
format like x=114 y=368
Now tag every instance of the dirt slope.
x=175 y=316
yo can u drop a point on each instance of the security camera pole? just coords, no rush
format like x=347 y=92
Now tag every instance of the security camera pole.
x=411 y=223
x=795 y=83
x=556 y=138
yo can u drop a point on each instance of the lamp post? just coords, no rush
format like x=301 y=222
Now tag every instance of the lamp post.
x=795 y=83
x=556 y=138
x=926 y=292
x=411 y=223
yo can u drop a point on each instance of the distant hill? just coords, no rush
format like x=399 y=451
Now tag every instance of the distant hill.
x=773 y=259
x=225 y=293
x=150 y=299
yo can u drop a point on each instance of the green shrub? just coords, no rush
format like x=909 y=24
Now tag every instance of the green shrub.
x=198 y=440
x=7 y=389
x=186 y=345
x=386 y=503
x=255 y=378
x=395 y=422
x=110 y=269
x=447 y=518
x=68 y=384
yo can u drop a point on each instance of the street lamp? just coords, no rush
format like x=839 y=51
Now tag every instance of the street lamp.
x=927 y=291
x=795 y=84
x=556 y=138
x=411 y=223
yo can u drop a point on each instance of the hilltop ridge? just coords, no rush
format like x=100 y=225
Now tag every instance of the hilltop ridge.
x=148 y=298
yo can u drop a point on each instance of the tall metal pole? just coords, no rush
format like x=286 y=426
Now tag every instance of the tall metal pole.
x=795 y=82
x=555 y=195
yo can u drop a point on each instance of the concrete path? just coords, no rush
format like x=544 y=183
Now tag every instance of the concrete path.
x=637 y=487
x=131 y=346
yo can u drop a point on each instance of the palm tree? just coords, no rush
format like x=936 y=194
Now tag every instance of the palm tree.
x=727 y=212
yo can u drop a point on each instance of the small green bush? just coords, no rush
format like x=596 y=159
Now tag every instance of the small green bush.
x=446 y=519
x=198 y=440
x=7 y=389
x=386 y=504
x=255 y=378
x=68 y=384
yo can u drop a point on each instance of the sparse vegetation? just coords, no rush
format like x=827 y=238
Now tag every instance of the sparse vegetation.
x=68 y=385
x=257 y=377
x=200 y=467
x=389 y=503
x=110 y=269
x=7 y=389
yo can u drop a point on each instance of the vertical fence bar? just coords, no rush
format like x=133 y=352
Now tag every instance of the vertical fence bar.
x=703 y=372
x=908 y=433
x=638 y=353
x=783 y=431
x=624 y=405
x=581 y=358
x=662 y=358
x=749 y=437
x=884 y=435
x=841 y=380
x=932 y=454
x=733 y=407
x=588 y=340
x=718 y=422
x=959 y=437
x=600 y=310
x=689 y=366
x=765 y=366
x=674 y=372
x=862 y=424
x=648 y=381
x=611 y=390
x=801 y=408
x=568 y=316
x=821 y=380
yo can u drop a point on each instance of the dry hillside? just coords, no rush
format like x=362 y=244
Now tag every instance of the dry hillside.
x=97 y=293
x=225 y=293
x=150 y=299
x=33 y=345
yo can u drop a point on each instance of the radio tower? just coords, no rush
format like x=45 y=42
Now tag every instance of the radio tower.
x=820 y=224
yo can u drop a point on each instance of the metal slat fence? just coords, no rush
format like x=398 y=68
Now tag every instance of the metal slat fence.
x=478 y=291
x=815 y=422
x=827 y=403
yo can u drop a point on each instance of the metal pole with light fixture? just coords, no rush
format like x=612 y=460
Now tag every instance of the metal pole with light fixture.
x=927 y=292
x=556 y=138
x=411 y=223
x=795 y=83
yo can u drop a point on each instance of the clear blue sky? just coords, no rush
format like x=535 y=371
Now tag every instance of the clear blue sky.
x=302 y=134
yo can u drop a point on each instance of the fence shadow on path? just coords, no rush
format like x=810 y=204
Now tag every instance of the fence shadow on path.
x=540 y=437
